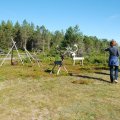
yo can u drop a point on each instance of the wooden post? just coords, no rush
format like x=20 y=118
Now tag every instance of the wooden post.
x=12 y=56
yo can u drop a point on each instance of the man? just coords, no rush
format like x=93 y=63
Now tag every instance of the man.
x=113 y=61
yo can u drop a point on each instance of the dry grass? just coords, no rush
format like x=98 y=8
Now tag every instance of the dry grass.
x=29 y=93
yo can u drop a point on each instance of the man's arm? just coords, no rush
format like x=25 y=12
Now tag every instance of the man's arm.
x=107 y=49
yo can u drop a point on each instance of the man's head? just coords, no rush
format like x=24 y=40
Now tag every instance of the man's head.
x=113 y=43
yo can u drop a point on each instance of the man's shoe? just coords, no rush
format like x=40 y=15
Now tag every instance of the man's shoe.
x=116 y=81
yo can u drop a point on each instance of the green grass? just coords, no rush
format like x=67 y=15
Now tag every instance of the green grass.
x=29 y=93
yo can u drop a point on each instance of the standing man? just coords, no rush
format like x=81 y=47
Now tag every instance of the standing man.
x=113 y=61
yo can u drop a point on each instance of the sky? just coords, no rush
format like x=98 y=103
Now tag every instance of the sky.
x=100 y=18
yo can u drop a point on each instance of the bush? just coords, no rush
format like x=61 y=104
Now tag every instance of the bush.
x=96 y=59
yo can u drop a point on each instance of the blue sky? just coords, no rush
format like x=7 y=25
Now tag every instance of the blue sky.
x=99 y=18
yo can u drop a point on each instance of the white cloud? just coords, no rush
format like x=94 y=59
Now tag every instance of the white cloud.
x=114 y=17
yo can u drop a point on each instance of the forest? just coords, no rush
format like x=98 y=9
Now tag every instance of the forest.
x=39 y=38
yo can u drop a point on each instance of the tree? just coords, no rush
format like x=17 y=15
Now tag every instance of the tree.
x=48 y=38
x=43 y=32
x=37 y=38
x=25 y=32
x=88 y=42
x=17 y=34
x=31 y=40
x=57 y=38
x=6 y=32
x=2 y=35
x=72 y=36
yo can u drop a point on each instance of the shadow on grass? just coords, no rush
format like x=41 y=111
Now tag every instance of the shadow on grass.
x=101 y=68
x=102 y=73
x=47 y=70
x=89 y=77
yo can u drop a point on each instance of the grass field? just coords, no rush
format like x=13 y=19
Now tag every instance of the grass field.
x=29 y=93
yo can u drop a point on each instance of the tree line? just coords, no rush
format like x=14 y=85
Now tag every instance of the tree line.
x=40 y=38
